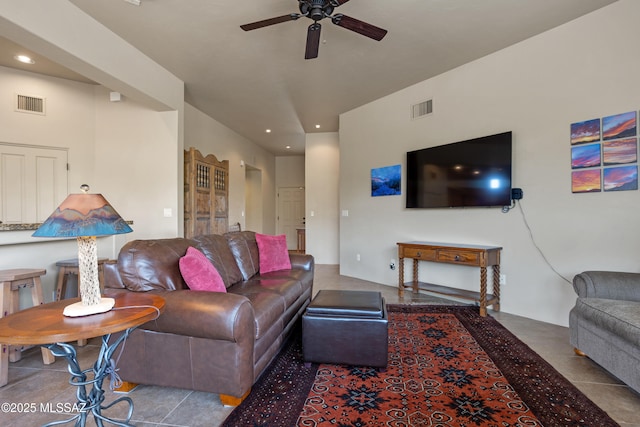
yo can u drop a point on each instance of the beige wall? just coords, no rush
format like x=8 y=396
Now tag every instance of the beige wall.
x=141 y=136
x=211 y=137
x=131 y=151
x=125 y=151
x=115 y=147
x=291 y=171
x=53 y=29
x=322 y=184
x=582 y=70
x=136 y=165
x=69 y=106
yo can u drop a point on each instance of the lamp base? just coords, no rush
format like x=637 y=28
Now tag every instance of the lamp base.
x=78 y=309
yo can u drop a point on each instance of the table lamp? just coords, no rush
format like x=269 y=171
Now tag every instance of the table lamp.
x=85 y=216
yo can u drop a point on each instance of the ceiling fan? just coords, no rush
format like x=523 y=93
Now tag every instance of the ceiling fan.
x=317 y=10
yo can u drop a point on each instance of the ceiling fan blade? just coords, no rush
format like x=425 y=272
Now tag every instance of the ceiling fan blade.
x=336 y=3
x=270 y=21
x=359 y=27
x=313 y=41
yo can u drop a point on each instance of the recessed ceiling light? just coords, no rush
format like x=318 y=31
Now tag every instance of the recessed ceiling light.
x=268 y=131
x=288 y=147
x=317 y=126
x=24 y=59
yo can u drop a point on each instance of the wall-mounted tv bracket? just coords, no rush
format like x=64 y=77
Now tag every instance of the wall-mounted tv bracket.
x=516 y=194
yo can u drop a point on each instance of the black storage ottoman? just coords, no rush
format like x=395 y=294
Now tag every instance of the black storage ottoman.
x=346 y=328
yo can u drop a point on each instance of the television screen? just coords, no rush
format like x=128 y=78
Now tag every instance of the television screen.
x=469 y=173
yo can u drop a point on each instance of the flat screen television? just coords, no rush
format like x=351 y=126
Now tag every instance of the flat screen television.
x=472 y=173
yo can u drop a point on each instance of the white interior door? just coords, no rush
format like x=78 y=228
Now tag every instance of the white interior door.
x=290 y=213
x=33 y=182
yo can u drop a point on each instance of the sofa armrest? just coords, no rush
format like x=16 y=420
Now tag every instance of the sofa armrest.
x=608 y=285
x=212 y=315
x=301 y=261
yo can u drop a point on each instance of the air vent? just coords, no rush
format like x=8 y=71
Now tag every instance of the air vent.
x=30 y=104
x=422 y=109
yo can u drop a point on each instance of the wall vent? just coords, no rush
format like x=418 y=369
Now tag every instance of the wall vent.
x=30 y=104
x=422 y=109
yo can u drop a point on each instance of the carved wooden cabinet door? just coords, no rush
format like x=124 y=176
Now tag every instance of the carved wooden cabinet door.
x=206 y=194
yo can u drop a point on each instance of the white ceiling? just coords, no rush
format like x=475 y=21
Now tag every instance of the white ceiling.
x=257 y=80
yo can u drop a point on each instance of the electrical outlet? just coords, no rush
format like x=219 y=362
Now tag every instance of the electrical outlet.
x=503 y=279
x=357 y=257
x=392 y=264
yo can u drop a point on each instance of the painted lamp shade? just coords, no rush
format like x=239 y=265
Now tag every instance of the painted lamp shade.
x=85 y=216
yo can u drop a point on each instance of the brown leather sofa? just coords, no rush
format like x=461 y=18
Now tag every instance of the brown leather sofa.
x=208 y=341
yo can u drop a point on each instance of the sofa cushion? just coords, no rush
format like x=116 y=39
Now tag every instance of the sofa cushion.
x=273 y=253
x=146 y=265
x=216 y=248
x=289 y=289
x=621 y=318
x=268 y=307
x=244 y=247
x=199 y=273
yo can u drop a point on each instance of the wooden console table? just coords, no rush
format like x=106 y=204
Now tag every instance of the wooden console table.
x=469 y=255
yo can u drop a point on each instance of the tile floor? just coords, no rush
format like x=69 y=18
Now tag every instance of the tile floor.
x=31 y=382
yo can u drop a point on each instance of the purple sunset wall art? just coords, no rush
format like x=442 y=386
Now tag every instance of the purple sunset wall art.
x=585 y=181
x=587 y=131
x=585 y=156
x=619 y=126
x=621 y=178
x=619 y=152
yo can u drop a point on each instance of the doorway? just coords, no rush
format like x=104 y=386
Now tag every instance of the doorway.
x=291 y=214
x=253 y=199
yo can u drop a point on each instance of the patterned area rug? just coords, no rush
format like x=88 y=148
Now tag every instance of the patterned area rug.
x=447 y=367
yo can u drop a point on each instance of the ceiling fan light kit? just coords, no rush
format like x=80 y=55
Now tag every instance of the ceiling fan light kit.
x=317 y=10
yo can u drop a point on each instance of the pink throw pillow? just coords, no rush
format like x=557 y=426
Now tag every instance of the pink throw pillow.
x=199 y=273
x=273 y=252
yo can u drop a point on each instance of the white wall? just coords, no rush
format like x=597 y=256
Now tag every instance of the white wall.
x=100 y=136
x=585 y=69
x=116 y=148
x=60 y=31
x=69 y=123
x=290 y=171
x=136 y=165
x=211 y=137
x=322 y=184
x=253 y=212
x=69 y=105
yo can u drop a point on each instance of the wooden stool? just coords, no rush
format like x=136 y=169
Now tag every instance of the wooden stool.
x=12 y=281
x=69 y=267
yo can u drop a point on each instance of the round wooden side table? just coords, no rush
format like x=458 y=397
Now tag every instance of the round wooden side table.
x=45 y=325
